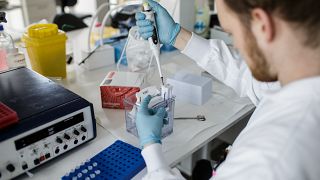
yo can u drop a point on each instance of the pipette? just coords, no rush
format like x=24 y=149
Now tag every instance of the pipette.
x=154 y=39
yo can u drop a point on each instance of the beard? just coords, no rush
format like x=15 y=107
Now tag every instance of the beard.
x=258 y=64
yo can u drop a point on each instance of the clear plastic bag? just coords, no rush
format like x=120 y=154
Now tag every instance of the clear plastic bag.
x=138 y=52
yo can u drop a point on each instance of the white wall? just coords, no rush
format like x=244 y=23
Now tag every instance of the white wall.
x=36 y=10
x=15 y=25
x=85 y=7
x=184 y=12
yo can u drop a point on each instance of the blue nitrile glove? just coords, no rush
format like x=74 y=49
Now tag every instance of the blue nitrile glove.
x=149 y=123
x=168 y=30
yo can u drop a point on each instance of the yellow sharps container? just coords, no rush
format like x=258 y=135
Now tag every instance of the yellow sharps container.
x=46 y=47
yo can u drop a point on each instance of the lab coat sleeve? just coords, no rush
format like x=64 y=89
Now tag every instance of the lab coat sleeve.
x=227 y=66
x=157 y=167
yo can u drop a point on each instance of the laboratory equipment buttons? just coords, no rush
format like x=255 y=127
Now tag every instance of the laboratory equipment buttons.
x=36 y=161
x=59 y=140
x=35 y=151
x=24 y=166
x=65 y=147
x=83 y=138
x=66 y=136
x=75 y=141
x=76 y=132
x=42 y=158
x=83 y=129
x=57 y=151
x=10 y=168
x=47 y=155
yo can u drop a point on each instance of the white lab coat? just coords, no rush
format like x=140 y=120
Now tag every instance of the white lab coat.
x=282 y=138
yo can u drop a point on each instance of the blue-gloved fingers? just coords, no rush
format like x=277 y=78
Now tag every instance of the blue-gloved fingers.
x=144 y=104
x=140 y=16
x=165 y=121
x=154 y=5
x=161 y=113
x=146 y=35
x=145 y=101
x=165 y=118
x=152 y=111
x=144 y=23
x=145 y=29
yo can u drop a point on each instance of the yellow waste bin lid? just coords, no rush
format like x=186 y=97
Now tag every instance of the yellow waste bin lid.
x=43 y=34
x=42 y=30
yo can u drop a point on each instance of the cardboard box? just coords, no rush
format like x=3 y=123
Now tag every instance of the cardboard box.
x=191 y=88
x=118 y=85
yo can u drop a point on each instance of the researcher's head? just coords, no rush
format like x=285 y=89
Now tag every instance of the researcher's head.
x=261 y=29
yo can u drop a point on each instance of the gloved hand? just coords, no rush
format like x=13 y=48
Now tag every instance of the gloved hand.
x=168 y=30
x=149 y=123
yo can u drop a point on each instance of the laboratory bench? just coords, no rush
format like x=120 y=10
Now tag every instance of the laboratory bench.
x=222 y=111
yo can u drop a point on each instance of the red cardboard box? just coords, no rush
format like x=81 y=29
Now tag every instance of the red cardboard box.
x=118 y=85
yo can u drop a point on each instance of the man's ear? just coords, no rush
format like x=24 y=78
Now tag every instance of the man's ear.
x=262 y=25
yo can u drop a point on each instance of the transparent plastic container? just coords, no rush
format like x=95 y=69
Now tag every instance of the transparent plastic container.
x=131 y=110
x=6 y=43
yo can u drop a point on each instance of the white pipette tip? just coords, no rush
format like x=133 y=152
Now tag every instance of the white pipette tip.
x=146 y=6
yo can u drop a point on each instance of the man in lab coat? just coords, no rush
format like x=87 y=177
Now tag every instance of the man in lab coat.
x=280 y=41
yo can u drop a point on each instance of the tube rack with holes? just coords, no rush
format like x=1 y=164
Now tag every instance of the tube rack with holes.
x=118 y=161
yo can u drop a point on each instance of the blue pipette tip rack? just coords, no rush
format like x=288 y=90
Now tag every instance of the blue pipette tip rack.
x=118 y=161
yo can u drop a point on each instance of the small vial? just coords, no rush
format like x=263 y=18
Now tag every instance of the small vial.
x=87 y=178
x=97 y=172
x=84 y=171
x=90 y=168
x=92 y=176
x=74 y=178
x=95 y=164
x=79 y=175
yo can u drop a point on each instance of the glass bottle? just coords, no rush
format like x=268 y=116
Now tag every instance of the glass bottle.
x=6 y=42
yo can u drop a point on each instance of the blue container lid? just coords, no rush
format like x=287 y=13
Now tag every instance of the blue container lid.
x=1 y=27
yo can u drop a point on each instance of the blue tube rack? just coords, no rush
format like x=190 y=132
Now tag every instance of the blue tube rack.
x=118 y=161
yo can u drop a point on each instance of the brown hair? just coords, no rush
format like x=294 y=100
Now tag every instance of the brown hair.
x=302 y=14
